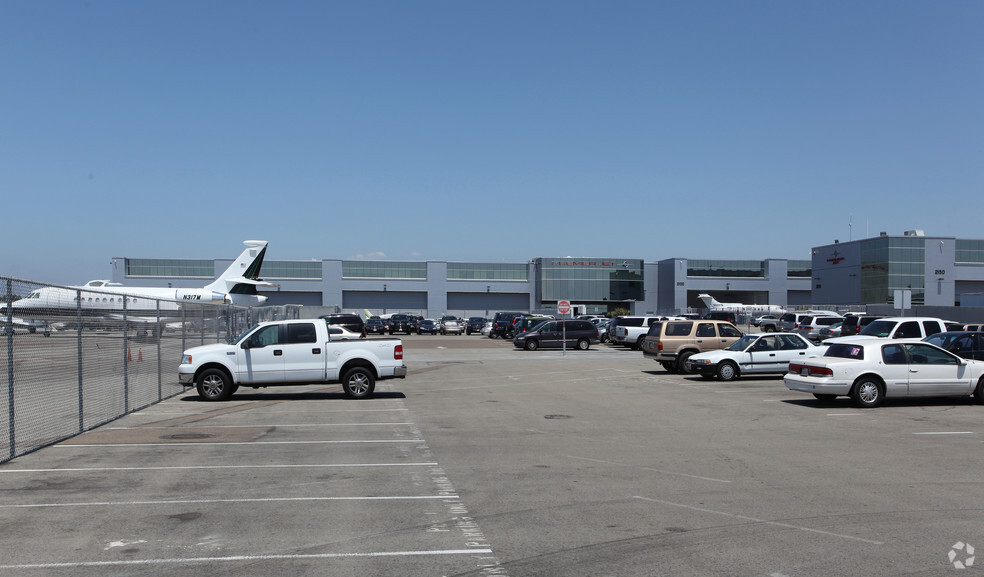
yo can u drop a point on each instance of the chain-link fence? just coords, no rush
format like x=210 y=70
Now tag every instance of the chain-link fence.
x=75 y=358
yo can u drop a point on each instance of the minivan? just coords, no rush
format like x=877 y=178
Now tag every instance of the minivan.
x=579 y=334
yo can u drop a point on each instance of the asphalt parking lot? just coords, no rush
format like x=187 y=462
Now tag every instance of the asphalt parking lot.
x=488 y=460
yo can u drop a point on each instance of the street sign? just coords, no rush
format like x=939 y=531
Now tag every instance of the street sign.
x=563 y=307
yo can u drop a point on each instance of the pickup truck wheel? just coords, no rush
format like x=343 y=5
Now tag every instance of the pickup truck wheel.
x=638 y=343
x=214 y=385
x=358 y=383
x=979 y=392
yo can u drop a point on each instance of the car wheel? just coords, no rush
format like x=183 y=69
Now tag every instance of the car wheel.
x=867 y=392
x=979 y=392
x=727 y=371
x=583 y=344
x=638 y=343
x=682 y=366
x=358 y=383
x=669 y=366
x=531 y=345
x=214 y=385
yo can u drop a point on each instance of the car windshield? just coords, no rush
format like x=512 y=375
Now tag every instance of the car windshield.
x=743 y=343
x=941 y=340
x=879 y=328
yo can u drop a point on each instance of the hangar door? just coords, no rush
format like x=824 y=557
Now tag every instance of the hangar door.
x=388 y=301
x=478 y=303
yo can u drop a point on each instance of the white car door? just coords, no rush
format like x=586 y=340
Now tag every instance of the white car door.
x=303 y=358
x=263 y=359
x=935 y=372
x=764 y=356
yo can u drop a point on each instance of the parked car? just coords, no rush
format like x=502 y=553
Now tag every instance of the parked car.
x=487 y=329
x=902 y=328
x=833 y=331
x=351 y=321
x=810 y=326
x=602 y=326
x=760 y=353
x=450 y=326
x=770 y=320
x=523 y=324
x=871 y=370
x=428 y=327
x=376 y=326
x=672 y=343
x=502 y=323
x=964 y=344
x=340 y=333
x=789 y=322
x=729 y=316
x=475 y=324
x=853 y=324
x=401 y=323
x=579 y=334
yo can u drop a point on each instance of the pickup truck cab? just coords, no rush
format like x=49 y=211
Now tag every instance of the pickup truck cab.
x=293 y=352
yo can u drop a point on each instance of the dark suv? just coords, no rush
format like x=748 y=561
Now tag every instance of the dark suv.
x=579 y=334
x=502 y=324
x=475 y=325
x=350 y=321
x=401 y=323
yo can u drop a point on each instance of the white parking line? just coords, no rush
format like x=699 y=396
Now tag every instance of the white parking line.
x=211 y=467
x=214 y=501
x=246 y=558
x=945 y=433
x=764 y=521
x=208 y=444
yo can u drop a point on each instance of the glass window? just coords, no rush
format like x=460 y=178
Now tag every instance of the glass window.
x=789 y=343
x=678 y=329
x=894 y=355
x=384 y=269
x=908 y=330
x=920 y=354
x=301 y=333
x=487 y=271
x=265 y=337
x=726 y=268
x=729 y=331
x=705 y=330
x=590 y=280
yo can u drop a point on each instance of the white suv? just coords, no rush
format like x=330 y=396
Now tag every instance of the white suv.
x=897 y=328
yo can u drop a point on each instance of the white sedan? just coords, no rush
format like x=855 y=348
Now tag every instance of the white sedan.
x=871 y=369
x=761 y=353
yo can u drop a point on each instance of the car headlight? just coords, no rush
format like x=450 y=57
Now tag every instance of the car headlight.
x=186 y=360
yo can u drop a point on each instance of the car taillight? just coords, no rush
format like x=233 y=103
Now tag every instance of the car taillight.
x=808 y=371
x=659 y=345
x=398 y=352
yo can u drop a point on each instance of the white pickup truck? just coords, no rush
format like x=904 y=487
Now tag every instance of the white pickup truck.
x=291 y=352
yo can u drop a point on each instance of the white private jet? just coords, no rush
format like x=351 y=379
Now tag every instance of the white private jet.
x=714 y=305
x=237 y=285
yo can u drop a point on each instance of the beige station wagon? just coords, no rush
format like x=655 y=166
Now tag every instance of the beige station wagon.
x=671 y=343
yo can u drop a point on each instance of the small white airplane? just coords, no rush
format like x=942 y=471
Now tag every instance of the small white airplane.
x=714 y=305
x=19 y=325
x=237 y=285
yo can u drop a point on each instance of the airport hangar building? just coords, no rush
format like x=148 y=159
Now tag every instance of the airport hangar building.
x=939 y=271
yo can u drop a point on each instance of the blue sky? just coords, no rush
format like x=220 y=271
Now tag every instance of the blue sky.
x=482 y=131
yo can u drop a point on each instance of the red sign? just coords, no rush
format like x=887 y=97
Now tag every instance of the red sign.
x=563 y=307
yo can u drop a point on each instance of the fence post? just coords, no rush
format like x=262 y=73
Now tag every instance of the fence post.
x=78 y=344
x=160 y=337
x=10 y=365
x=126 y=363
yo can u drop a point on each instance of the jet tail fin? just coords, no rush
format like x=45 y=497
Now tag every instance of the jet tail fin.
x=243 y=275
x=710 y=301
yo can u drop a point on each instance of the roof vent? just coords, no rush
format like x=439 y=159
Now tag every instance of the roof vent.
x=915 y=232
